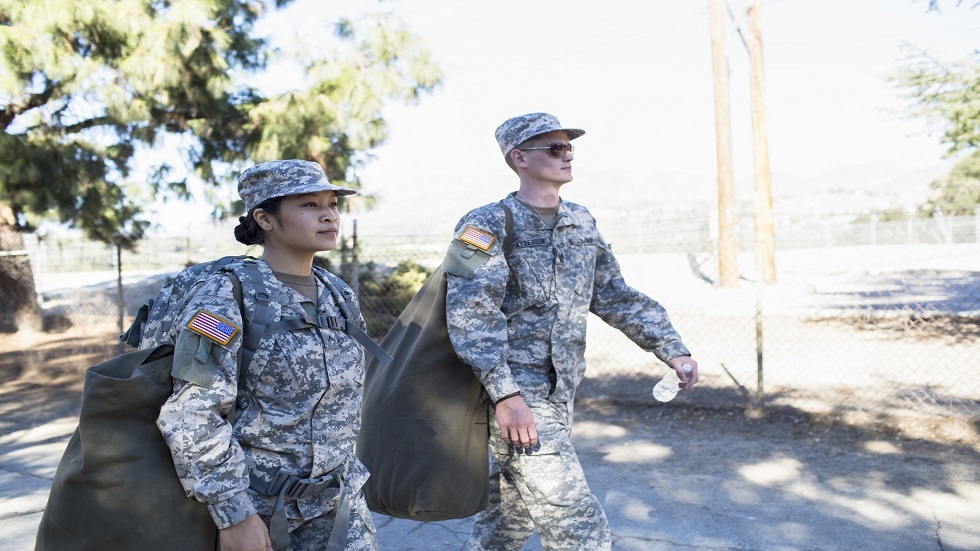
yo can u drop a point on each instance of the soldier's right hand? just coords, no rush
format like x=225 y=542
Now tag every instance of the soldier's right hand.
x=516 y=423
x=250 y=534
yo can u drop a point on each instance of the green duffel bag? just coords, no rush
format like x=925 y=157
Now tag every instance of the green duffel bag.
x=424 y=425
x=424 y=416
x=116 y=487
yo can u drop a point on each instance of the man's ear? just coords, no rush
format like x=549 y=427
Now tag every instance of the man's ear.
x=263 y=219
x=517 y=156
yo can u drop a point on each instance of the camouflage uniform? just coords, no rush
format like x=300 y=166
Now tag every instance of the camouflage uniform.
x=301 y=414
x=520 y=323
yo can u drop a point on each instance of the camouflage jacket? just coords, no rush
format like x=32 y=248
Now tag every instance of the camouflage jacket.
x=301 y=414
x=514 y=320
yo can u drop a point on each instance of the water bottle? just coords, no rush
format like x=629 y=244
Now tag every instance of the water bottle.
x=668 y=387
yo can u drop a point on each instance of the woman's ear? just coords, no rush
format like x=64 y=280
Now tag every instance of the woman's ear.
x=263 y=219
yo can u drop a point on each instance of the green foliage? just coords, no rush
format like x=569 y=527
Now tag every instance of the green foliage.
x=339 y=114
x=385 y=293
x=959 y=192
x=888 y=215
x=934 y=4
x=86 y=84
x=947 y=95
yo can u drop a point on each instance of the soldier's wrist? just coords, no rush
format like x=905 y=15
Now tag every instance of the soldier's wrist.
x=502 y=398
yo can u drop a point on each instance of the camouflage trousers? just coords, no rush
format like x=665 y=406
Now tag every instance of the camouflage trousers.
x=546 y=491
x=312 y=535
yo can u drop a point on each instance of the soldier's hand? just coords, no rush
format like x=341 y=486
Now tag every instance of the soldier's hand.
x=688 y=379
x=248 y=535
x=516 y=423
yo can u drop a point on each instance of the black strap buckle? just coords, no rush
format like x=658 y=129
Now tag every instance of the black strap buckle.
x=298 y=488
x=331 y=322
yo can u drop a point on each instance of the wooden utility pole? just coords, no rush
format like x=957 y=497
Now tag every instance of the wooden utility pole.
x=727 y=240
x=765 y=239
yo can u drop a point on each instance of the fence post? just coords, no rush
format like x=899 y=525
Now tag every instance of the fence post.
x=943 y=226
x=355 y=280
x=759 y=397
x=762 y=258
x=120 y=305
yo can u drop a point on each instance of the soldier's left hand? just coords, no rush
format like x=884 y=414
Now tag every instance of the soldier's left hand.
x=688 y=379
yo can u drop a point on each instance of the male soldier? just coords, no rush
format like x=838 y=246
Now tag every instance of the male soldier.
x=520 y=323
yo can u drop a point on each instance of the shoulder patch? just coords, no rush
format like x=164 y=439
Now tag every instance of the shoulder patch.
x=212 y=326
x=462 y=260
x=478 y=238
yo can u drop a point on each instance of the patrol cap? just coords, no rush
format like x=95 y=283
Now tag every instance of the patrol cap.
x=515 y=131
x=281 y=178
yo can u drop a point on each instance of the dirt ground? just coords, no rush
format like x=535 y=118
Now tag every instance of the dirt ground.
x=41 y=380
x=41 y=374
x=671 y=477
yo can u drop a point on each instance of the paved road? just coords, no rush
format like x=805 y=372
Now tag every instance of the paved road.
x=670 y=477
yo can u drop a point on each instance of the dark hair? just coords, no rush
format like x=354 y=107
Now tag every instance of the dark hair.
x=248 y=231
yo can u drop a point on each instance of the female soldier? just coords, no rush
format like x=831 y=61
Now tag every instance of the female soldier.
x=278 y=458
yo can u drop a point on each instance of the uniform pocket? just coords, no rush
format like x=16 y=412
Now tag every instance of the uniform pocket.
x=581 y=261
x=551 y=422
x=296 y=365
x=529 y=285
x=344 y=359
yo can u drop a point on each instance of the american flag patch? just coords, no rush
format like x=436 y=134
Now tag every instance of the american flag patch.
x=213 y=327
x=477 y=238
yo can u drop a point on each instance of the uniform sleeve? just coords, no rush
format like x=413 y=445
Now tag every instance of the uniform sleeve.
x=209 y=462
x=477 y=326
x=638 y=316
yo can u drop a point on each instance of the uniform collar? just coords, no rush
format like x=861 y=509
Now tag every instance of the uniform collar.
x=565 y=216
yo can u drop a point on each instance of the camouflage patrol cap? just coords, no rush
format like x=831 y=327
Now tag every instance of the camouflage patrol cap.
x=515 y=131
x=281 y=178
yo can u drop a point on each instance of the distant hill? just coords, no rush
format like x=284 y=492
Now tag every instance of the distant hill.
x=434 y=206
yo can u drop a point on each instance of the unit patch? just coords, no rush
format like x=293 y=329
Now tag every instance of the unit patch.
x=477 y=238
x=213 y=326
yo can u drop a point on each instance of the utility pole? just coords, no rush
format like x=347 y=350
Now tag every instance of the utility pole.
x=727 y=240
x=764 y=237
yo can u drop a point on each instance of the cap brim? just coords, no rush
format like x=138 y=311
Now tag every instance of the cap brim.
x=318 y=187
x=571 y=132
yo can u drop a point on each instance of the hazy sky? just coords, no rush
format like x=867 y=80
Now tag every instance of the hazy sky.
x=636 y=75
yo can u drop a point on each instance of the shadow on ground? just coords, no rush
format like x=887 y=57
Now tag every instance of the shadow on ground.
x=676 y=475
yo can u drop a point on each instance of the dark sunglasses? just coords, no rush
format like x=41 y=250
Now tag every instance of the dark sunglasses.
x=555 y=150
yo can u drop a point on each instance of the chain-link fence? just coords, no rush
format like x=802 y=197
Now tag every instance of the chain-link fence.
x=867 y=317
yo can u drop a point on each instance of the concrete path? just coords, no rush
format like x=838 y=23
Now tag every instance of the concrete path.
x=671 y=477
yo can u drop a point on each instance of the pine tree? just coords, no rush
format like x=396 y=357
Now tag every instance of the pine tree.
x=86 y=85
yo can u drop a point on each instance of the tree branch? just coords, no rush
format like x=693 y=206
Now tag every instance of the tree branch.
x=88 y=123
x=16 y=108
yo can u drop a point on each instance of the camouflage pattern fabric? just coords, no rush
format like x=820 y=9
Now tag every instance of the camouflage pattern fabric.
x=302 y=413
x=521 y=325
x=172 y=298
x=548 y=486
x=309 y=535
x=514 y=331
x=517 y=130
x=280 y=178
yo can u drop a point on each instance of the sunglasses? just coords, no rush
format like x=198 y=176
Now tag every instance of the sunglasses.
x=556 y=150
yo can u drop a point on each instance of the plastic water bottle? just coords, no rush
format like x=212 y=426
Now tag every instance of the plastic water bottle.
x=670 y=385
